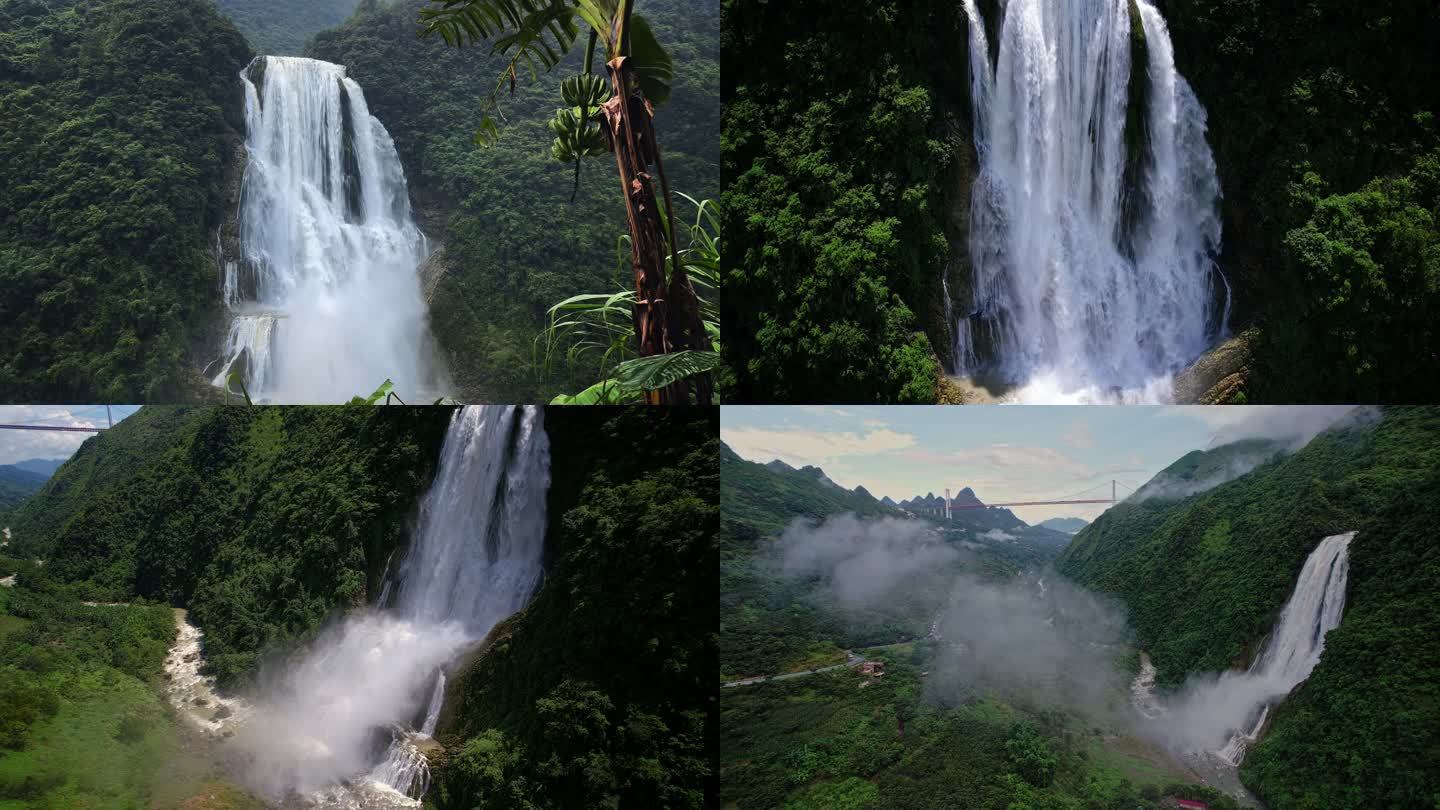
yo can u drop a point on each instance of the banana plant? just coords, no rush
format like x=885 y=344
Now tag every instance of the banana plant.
x=536 y=34
x=596 y=328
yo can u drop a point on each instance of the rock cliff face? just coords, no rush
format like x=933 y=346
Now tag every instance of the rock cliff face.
x=1219 y=376
x=224 y=249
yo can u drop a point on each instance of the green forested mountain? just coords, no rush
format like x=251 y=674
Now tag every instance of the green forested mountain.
x=849 y=183
x=1204 y=579
x=118 y=119
x=839 y=171
x=280 y=27
x=260 y=521
x=514 y=241
x=16 y=485
x=761 y=500
x=1322 y=117
x=103 y=461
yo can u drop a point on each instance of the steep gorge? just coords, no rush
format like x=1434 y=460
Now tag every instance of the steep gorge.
x=1205 y=577
x=338 y=600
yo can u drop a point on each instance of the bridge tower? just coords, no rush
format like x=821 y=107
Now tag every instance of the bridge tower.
x=947 y=503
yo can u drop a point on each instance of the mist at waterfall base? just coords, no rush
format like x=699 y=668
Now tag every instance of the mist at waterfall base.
x=1093 y=270
x=333 y=713
x=325 y=299
x=1223 y=714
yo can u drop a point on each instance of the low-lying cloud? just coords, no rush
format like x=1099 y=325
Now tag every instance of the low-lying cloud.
x=1286 y=428
x=1293 y=426
x=1038 y=639
x=862 y=561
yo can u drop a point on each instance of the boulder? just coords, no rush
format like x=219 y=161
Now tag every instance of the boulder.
x=1219 y=376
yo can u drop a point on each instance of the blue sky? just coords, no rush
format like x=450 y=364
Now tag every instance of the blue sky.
x=1005 y=453
x=19 y=445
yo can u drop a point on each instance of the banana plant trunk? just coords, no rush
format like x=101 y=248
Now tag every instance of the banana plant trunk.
x=666 y=316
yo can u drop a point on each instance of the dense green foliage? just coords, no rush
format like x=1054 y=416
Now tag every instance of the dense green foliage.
x=118 y=118
x=1322 y=116
x=280 y=27
x=835 y=150
x=261 y=520
x=1205 y=577
x=821 y=742
x=601 y=692
x=598 y=329
x=514 y=242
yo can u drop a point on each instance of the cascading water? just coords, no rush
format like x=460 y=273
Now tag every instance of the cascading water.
x=1222 y=716
x=1293 y=651
x=1093 y=226
x=475 y=560
x=325 y=299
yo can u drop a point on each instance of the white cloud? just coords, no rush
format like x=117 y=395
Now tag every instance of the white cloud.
x=1299 y=423
x=19 y=445
x=800 y=447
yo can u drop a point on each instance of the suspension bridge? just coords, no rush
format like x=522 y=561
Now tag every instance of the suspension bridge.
x=950 y=505
x=38 y=424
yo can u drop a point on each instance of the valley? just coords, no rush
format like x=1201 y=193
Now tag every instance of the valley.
x=1208 y=638
x=361 y=607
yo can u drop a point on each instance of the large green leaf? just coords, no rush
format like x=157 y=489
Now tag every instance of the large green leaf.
x=605 y=392
x=651 y=63
x=383 y=392
x=658 y=371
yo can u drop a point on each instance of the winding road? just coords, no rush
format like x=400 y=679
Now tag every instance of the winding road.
x=853 y=659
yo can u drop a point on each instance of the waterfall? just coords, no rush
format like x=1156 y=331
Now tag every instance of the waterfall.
x=325 y=302
x=1093 y=226
x=475 y=559
x=1214 y=719
x=1294 y=648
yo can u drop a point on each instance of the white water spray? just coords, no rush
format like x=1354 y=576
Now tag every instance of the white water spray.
x=1225 y=715
x=1093 y=266
x=475 y=559
x=325 y=303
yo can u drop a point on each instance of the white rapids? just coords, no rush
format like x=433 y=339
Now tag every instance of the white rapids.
x=1094 y=277
x=193 y=695
x=325 y=302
